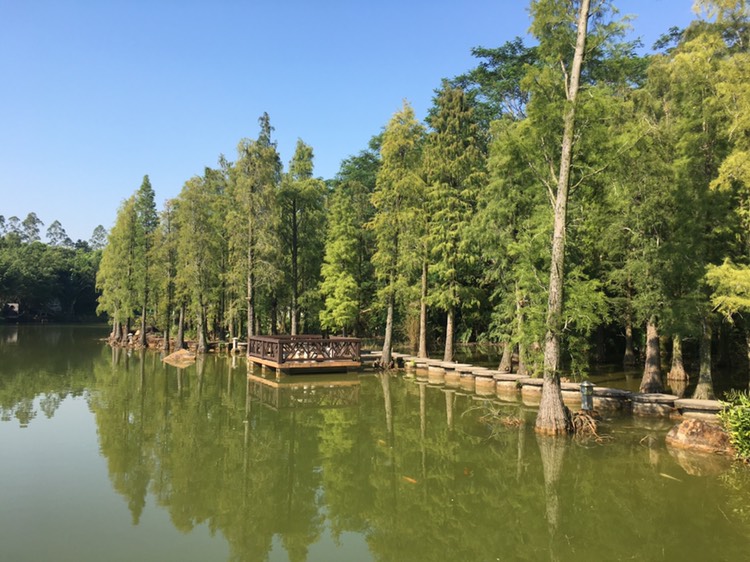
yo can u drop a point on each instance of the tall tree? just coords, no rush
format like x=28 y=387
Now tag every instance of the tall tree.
x=253 y=180
x=454 y=172
x=301 y=228
x=116 y=276
x=199 y=252
x=31 y=226
x=146 y=222
x=396 y=193
x=347 y=271
x=552 y=417
x=98 y=238
x=164 y=260
x=57 y=236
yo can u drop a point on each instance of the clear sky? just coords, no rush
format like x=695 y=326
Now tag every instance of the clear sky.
x=97 y=93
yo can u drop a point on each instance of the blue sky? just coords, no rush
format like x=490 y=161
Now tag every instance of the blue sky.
x=97 y=93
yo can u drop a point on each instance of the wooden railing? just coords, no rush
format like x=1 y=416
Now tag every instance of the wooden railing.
x=304 y=348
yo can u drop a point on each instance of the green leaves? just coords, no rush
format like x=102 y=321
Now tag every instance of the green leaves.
x=735 y=418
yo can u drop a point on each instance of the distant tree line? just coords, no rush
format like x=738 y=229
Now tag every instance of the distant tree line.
x=47 y=281
x=636 y=165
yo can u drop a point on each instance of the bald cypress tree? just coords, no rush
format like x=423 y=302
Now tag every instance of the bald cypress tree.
x=301 y=201
x=396 y=189
x=454 y=172
x=146 y=222
x=253 y=230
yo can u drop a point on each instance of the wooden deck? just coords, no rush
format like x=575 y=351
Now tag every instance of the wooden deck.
x=305 y=353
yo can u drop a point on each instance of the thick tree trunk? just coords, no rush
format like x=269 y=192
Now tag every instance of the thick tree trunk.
x=705 y=388
x=553 y=418
x=448 y=352
x=117 y=330
x=422 y=353
x=651 y=381
x=506 y=361
x=677 y=371
x=202 y=345
x=385 y=358
x=126 y=333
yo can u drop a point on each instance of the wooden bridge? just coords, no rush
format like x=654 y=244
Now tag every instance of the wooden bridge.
x=305 y=353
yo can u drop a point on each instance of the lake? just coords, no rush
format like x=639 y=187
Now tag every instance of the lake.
x=112 y=455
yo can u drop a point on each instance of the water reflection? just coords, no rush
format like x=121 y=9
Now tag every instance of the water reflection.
x=388 y=468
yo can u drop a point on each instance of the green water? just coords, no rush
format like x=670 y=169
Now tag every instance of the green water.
x=109 y=455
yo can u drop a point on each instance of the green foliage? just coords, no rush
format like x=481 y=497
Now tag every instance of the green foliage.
x=301 y=204
x=735 y=417
x=454 y=171
x=731 y=288
x=252 y=221
x=47 y=281
x=348 y=283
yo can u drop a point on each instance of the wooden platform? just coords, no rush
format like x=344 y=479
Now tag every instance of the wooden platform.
x=305 y=353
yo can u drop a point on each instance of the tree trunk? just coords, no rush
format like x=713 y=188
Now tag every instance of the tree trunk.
x=506 y=361
x=126 y=333
x=422 y=354
x=553 y=418
x=651 y=381
x=166 y=344
x=180 y=341
x=385 y=358
x=250 y=308
x=275 y=316
x=521 y=370
x=677 y=371
x=705 y=388
x=295 y=273
x=747 y=350
x=629 y=359
x=250 y=283
x=448 y=353
x=117 y=331
x=142 y=339
x=202 y=345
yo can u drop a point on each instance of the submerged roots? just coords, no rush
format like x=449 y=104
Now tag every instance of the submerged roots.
x=586 y=426
x=495 y=419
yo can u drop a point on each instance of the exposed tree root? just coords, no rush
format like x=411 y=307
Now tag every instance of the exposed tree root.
x=586 y=427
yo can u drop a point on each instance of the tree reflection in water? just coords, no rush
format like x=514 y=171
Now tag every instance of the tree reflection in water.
x=411 y=470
